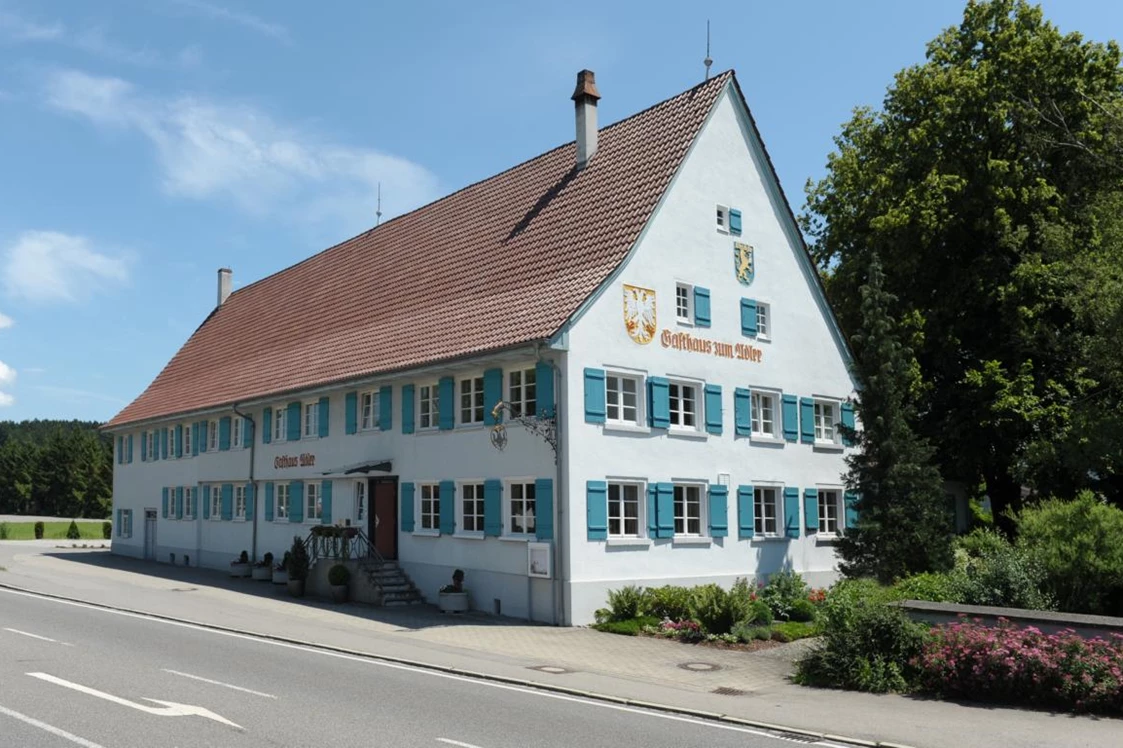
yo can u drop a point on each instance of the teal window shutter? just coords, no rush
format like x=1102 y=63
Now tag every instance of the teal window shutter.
x=594 y=396
x=406 y=510
x=267 y=426
x=734 y=222
x=164 y=444
x=325 y=502
x=544 y=507
x=224 y=434
x=790 y=412
x=652 y=514
x=807 y=420
x=811 y=509
x=247 y=432
x=179 y=440
x=493 y=393
x=446 y=403
x=851 y=500
x=544 y=388
x=596 y=509
x=848 y=422
x=742 y=412
x=745 y=520
x=269 y=502
x=447 y=499
x=293 y=418
x=665 y=509
x=659 y=402
x=386 y=407
x=748 y=317
x=164 y=503
x=351 y=413
x=407 y=408
x=324 y=417
x=143 y=446
x=250 y=496
x=205 y=497
x=719 y=511
x=791 y=512
x=196 y=433
x=296 y=501
x=713 y=408
x=493 y=507
x=701 y=306
x=227 y=501
x=120 y=450
x=130 y=449
x=179 y=502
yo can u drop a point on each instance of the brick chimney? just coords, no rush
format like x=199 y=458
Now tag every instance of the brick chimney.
x=585 y=101
x=225 y=281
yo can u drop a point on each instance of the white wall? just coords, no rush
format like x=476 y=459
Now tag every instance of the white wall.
x=681 y=243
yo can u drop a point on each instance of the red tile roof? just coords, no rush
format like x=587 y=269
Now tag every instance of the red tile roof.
x=503 y=262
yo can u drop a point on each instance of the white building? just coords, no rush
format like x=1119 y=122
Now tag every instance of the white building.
x=643 y=292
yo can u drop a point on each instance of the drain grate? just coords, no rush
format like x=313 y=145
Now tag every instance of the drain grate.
x=727 y=691
x=796 y=737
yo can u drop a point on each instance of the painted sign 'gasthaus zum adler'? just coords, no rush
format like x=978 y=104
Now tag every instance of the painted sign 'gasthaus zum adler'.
x=641 y=302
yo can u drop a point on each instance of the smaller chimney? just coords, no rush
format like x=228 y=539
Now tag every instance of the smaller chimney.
x=225 y=280
x=585 y=100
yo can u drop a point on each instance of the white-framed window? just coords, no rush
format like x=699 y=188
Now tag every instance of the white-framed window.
x=280 y=423
x=763 y=321
x=311 y=422
x=189 y=502
x=826 y=420
x=522 y=391
x=684 y=405
x=625 y=504
x=722 y=215
x=472 y=400
x=684 y=303
x=187 y=441
x=239 y=502
x=150 y=446
x=830 y=510
x=765 y=424
x=623 y=399
x=471 y=507
x=170 y=508
x=313 y=501
x=430 y=495
x=688 y=509
x=428 y=414
x=216 y=501
x=361 y=500
x=368 y=411
x=126 y=523
x=212 y=436
x=766 y=503
x=280 y=501
x=236 y=432
x=171 y=442
x=520 y=507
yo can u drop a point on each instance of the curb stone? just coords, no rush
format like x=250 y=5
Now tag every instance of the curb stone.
x=522 y=682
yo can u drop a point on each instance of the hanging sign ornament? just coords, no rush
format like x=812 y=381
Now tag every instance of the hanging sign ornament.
x=743 y=263
x=639 y=313
x=543 y=426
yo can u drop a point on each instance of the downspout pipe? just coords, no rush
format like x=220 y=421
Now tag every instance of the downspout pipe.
x=253 y=449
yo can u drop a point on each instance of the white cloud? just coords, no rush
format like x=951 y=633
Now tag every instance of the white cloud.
x=20 y=29
x=5 y=321
x=237 y=17
x=231 y=152
x=52 y=266
x=94 y=40
x=74 y=395
x=7 y=377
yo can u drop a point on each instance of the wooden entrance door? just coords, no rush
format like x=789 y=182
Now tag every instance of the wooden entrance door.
x=383 y=522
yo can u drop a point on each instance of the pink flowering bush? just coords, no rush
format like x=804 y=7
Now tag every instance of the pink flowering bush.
x=1023 y=666
x=688 y=631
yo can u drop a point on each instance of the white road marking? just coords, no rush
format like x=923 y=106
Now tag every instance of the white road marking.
x=457 y=743
x=50 y=728
x=373 y=660
x=219 y=683
x=167 y=708
x=33 y=636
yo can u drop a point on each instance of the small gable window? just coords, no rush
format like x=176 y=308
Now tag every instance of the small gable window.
x=684 y=303
x=763 y=321
x=723 y=219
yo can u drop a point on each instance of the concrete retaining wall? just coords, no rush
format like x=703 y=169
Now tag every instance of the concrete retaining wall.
x=1047 y=621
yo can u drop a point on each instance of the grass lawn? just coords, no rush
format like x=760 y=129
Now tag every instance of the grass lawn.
x=91 y=530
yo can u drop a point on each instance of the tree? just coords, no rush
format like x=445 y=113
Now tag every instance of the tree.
x=904 y=525
x=981 y=183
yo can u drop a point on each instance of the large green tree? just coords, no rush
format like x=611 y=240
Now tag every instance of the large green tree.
x=56 y=468
x=984 y=183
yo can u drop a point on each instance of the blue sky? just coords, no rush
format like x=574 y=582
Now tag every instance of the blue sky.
x=146 y=143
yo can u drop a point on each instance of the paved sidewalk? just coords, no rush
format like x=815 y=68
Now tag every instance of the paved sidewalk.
x=646 y=669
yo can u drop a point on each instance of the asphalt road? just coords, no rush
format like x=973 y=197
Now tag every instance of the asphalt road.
x=74 y=675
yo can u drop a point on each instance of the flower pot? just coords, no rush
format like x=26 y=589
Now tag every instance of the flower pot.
x=339 y=593
x=296 y=587
x=238 y=569
x=280 y=576
x=453 y=602
x=262 y=573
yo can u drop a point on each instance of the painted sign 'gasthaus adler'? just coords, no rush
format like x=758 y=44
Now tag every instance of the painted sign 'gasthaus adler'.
x=639 y=305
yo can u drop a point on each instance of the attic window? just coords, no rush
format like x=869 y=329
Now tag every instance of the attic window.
x=723 y=219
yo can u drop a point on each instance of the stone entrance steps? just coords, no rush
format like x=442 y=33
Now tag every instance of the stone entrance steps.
x=394 y=585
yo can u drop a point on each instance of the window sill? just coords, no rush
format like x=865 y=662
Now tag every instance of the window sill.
x=827 y=539
x=628 y=543
x=763 y=338
x=691 y=541
x=761 y=439
x=316 y=521
x=516 y=538
x=426 y=533
x=471 y=426
x=769 y=538
x=687 y=433
x=684 y=322
x=827 y=447
x=469 y=535
x=427 y=430
x=627 y=428
x=282 y=520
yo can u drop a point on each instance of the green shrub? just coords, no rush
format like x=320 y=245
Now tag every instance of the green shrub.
x=747 y=632
x=759 y=614
x=669 y=602
x=802 y=611
x=991 y=571
x=339 y=575
x=782 y=591
x=1078 y=548
x=789 y=631
x=980 y=542
x=4 y=532
x=712 y=607
x=626 y=603
x=936 y=587
x=741 y=599
x=72 y=532
x=38 y=530
x=299 y=562
x=107 y=530
x=631 y=627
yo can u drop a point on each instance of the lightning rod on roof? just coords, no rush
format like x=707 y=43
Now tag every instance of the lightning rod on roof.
x=708 y=61
x=378 y=210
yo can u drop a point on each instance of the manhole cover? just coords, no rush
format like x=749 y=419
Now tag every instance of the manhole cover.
x=727 y=691
x=700 y=667
x=552 y=669
x=184 y=589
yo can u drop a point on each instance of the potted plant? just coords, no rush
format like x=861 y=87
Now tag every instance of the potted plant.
x=298 y=567
x=452 y=597
x=263 y=570
x=281 y=570
x=338 y=577
x=240 y=567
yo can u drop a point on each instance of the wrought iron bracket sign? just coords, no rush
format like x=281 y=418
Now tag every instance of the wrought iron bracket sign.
x=544 y=427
